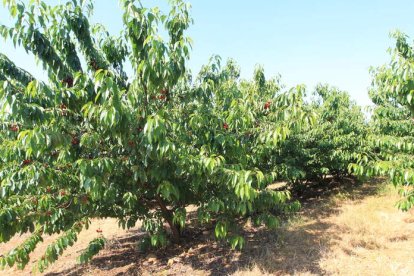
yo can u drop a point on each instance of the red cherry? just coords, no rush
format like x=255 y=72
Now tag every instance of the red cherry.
x=93 y=64
x=68 y=81
x=62 y=193
x=225 y=126
x=75 y=141
x=63 y=107
x=27 y=161
x=14 y=128
x=267 y=105
x=84 y=199
x=161 y=97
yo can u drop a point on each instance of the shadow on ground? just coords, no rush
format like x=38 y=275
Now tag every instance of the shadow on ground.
x=288 y=250
x=317 y=195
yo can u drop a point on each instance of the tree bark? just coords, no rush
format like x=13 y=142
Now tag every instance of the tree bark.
x=168 y=216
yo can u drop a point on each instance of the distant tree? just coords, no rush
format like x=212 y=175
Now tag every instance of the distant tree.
x=328 y=146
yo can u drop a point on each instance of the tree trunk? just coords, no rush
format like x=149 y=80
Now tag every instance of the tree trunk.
x=168 y=216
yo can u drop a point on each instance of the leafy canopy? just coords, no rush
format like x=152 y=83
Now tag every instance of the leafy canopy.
x=392 y=124
x=327 y=147
x=95 y=142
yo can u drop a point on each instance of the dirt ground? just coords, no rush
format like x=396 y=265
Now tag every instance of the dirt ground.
x=343 y=229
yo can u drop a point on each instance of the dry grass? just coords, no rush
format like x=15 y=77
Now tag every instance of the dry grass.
x=359 y=236
x=343 y=229
x=375 y=238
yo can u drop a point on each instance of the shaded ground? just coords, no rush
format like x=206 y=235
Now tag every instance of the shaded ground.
x=68 y=259
x=343 y=228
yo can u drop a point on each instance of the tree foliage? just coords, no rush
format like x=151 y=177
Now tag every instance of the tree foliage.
x=392 y=124
x=328 y=146
x=97 y=141
x=91 y=142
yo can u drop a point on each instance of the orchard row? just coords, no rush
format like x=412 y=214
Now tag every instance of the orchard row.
x=93 y=142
